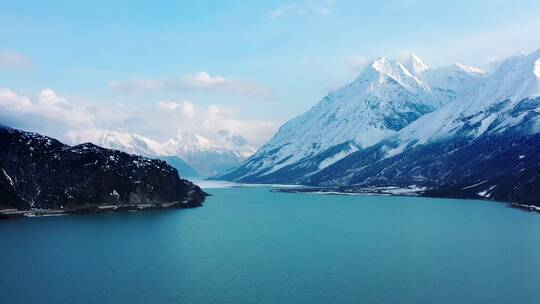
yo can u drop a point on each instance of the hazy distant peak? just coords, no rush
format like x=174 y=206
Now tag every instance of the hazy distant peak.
x=414 y=64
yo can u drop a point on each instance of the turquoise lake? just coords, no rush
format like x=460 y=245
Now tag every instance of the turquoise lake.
x=251 y=245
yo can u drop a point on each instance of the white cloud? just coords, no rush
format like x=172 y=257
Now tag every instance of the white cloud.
x=186 y=108
x=54 y=115
x=256 y=132
x=317 y=7
x=14 y=60
x=47 y=104
x=208 y=120
x=201 y=81
x=10 y=100
x=57 y=108
x=46 y=112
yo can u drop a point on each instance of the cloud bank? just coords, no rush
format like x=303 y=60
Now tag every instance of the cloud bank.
x=52 y=114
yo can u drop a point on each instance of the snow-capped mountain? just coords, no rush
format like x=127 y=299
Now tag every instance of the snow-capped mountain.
x=192 y=154
x=414 y=65
x=386 y=97
x=185 y=143
x=453 y=81
x=492 y=108
x=481 y=145
x=130 y=143
x=209 y=156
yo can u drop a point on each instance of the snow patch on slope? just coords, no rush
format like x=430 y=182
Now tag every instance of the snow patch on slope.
x=337 y=157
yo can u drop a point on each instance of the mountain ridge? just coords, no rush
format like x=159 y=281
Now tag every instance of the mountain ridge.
x=191 y=153
x=481 y=146
x=483 y=143
x=384 y=98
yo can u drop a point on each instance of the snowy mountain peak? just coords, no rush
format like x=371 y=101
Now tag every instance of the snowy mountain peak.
x=389 y=67
x=384 y=74
x=414 y=64
x=119 y=139
x=186 y=141
x=453 y=81
x=493 y=107
x=384 y=65
x=207 y=156
x=383 y=131
x=515 y=79
x=383 y=99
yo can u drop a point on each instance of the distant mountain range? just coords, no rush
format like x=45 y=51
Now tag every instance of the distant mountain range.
x=192 y=154
x=453 y=131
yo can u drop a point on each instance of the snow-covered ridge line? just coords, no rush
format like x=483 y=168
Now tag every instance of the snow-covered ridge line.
x=385 y=97
x=490 y=108
x=207 y=156
x=484 y=145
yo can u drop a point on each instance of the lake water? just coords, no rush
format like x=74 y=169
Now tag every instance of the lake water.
x=250 y=245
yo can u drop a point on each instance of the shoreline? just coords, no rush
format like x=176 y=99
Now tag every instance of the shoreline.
x=7 y=214
x=396 y=191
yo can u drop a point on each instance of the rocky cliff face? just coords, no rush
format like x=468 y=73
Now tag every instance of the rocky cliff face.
x=41 y=173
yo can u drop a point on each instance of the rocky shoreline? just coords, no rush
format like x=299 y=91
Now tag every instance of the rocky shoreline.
x=7 y=214
x=408 y=191
x=529 y=208
x=393 y=191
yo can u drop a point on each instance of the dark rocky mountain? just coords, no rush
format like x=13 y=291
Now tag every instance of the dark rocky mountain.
x=40 y=173
x=503 y=167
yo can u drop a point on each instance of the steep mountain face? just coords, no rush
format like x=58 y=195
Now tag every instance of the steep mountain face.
x=40 y=173
x=482 y=145
x=190 y=153
x=386 y=97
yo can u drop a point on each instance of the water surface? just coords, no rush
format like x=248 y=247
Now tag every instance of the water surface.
x=250 y=245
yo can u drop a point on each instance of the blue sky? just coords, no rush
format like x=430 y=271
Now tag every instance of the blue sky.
x=242 y=65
